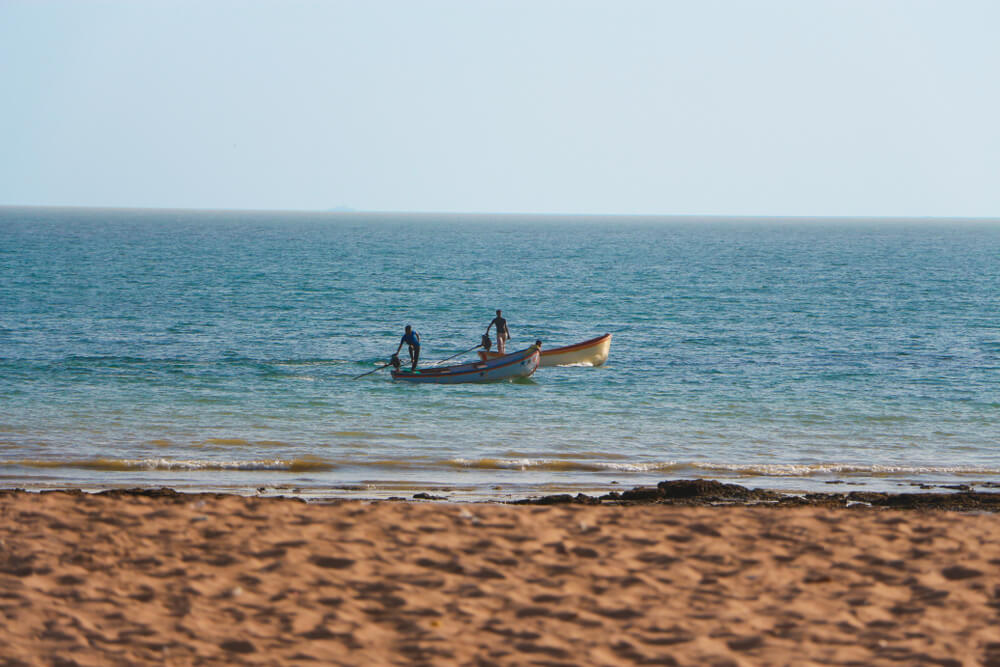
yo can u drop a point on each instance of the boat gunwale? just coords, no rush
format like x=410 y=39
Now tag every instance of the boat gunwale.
x=593 y=342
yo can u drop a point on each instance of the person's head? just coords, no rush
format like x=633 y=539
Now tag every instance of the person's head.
x=498 y=313
x=408 y=328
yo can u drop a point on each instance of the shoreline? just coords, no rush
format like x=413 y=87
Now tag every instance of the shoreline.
x=153 y=576
x=691 y=492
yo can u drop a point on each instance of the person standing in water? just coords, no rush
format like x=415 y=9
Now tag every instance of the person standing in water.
x=503 y=333
x=411 y=338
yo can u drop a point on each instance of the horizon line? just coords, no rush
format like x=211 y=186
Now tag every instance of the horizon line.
x=346 y=211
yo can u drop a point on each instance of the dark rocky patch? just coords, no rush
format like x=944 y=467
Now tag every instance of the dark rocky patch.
x=706 y=488
x=642 y=494
x=710 y=492
x=427 y=496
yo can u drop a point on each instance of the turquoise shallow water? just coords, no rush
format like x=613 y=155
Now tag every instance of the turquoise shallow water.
x=216 y=350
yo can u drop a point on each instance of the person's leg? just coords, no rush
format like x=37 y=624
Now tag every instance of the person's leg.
x=414 y=357
x=501 y=347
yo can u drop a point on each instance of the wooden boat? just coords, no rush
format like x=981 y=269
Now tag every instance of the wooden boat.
x=593 y=352
x=519 y=364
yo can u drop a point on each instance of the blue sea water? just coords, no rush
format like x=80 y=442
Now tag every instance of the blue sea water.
x=216 y=350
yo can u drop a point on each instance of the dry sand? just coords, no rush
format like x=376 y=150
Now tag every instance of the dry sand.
x=203 y=579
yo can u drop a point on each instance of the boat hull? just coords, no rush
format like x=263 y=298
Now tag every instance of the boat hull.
x=509 y=367
x=593 y=352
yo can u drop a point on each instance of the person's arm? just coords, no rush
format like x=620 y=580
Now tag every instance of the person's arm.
x=400 y=346
x=489 y=326
x=418 y=338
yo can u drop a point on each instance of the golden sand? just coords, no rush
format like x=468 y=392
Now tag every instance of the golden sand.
x=202 y=579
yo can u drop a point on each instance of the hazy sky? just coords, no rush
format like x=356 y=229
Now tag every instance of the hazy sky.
x=798 y=107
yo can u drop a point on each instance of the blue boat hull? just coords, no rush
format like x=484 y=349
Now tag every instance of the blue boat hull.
x=516 y=365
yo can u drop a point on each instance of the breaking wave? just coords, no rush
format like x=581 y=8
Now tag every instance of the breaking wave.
x=513 y=464
x=123 y=465
x=742 y=469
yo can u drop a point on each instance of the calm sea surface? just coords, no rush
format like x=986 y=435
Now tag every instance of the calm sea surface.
x=215 y=351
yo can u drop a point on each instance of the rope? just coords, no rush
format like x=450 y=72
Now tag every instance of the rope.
x=436 y=363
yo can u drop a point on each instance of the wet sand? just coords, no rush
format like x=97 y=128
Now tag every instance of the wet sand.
x=165 y=578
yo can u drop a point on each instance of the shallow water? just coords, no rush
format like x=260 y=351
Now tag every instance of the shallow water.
x=216 y=350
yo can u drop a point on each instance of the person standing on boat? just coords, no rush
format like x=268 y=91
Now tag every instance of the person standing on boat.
x=411 y=338
x=503 y=333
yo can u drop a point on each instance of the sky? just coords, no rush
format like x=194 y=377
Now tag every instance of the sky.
x=666 y=107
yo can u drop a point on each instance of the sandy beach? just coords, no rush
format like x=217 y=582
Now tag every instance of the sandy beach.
x=164 y=578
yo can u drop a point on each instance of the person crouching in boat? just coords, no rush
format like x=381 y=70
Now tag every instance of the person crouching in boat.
x=503 y=333
x=412 y=339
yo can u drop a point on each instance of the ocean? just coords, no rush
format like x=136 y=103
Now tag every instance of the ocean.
x=215 y=351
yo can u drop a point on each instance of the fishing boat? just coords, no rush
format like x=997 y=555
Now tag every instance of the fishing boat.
x=593 y=352
x=508 y=367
